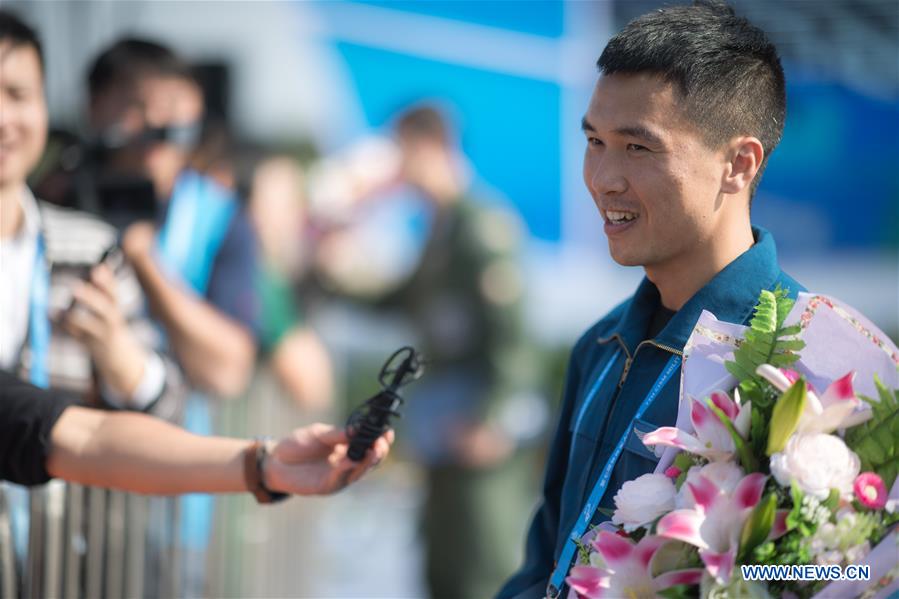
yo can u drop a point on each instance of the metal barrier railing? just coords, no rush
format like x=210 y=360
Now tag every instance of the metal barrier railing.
x=85 y=542
x=8 y=576
x=88 y=542
x=271 y=544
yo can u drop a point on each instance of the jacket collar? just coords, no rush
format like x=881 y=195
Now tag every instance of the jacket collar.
x=731 y=296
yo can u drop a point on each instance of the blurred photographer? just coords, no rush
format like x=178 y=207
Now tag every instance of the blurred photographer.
x=197 y=262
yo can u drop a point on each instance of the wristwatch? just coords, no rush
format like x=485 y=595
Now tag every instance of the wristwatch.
x=253 y=468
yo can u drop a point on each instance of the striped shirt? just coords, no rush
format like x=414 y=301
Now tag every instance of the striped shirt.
x=74 y=242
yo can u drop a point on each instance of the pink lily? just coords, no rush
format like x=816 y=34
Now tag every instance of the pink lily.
x=585 y=581
x=626 y=570
x=711 y=440
x=837 y=408
x=714 y=524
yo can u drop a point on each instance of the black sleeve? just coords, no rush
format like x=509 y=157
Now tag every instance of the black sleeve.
x=27 y=415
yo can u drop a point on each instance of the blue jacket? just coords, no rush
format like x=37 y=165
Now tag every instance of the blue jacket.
x=616 y=346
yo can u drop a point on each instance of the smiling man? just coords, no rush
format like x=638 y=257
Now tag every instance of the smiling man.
x=65 y=321
x=688 y=107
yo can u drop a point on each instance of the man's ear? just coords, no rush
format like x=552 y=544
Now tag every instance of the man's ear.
x=745 y=156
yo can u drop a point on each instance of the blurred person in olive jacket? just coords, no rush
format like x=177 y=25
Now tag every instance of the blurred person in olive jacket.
x=469 y=415
x=474 y=411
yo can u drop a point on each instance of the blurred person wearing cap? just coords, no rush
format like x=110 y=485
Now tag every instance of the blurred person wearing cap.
x=197 y=262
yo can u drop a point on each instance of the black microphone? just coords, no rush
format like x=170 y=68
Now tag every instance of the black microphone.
x=372 y=419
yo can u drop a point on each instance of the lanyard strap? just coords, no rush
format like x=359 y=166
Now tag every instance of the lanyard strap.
x=38 y=321
x=557 y=580
x=591 y=395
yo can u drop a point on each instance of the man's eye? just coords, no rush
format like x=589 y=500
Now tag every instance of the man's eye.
x=637 y=147
x=594 y=141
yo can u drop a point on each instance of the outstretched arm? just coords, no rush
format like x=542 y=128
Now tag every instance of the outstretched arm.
x=42 y=435
x=141 y=454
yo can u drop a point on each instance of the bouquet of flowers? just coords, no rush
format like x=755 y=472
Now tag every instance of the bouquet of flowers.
x=775 y=480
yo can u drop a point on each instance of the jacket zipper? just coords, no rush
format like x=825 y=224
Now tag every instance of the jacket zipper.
x=629 y=359
x=660 y=346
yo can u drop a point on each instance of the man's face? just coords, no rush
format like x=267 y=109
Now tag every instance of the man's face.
x=149 y=102
x=418 y=157
x=656 y=183
x=23 y=113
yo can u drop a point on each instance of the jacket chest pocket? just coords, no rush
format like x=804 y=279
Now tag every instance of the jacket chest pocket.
x=587 y=439
x=589 y=419
x=634 y=444
x=636 y=458
x=634 y=461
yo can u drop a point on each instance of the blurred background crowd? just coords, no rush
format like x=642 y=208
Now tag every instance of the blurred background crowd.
x=300 y=188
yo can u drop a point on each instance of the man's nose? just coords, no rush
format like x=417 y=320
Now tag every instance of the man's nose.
x=606 y=175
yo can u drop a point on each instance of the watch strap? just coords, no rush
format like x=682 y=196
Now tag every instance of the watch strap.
x=253 y=469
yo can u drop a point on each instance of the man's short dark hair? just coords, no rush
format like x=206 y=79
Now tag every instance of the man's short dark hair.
x=131 y=59
x=423 y=122
x=727 y=71
x=16 y=32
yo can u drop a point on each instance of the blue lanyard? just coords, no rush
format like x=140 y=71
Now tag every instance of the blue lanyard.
x=38 y=322
x=558 y=576
x=591 y=395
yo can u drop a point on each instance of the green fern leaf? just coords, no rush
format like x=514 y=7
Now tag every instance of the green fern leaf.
x=756 y=353
x=877 y=441
x=766 y=341
x=789 y=331
x=784 y=305
x=789 y=345
x=738 y=371
x=783 y=360
x=765 y=318
x=745 y=361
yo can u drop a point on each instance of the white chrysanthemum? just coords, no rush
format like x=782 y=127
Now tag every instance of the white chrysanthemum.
x=818 y=463
x=642 y=500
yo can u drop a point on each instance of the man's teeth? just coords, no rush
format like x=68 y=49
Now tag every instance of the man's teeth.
x=620 y=217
